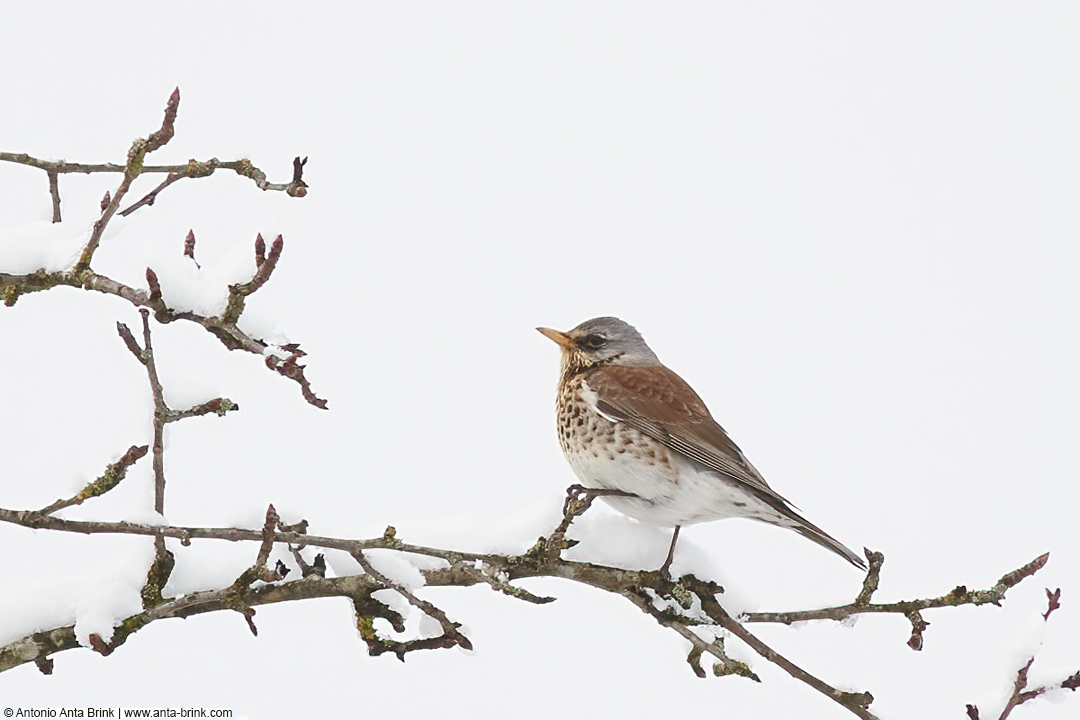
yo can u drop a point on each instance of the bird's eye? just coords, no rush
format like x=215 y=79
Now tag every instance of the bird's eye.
x=594 y=341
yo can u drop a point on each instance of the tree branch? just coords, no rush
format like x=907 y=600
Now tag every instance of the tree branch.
x=231 y=336
x=109 y=479
x=54 y=193
x=132 y=169
x=192 y=169
x=450 y=637
x=1021 y=693
x=689 y=607
x=959 y=595
x=282 y=360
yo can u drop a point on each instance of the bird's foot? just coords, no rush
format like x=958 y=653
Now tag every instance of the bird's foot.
x=579 y=498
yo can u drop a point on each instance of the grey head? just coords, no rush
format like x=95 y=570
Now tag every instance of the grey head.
x=603 y=341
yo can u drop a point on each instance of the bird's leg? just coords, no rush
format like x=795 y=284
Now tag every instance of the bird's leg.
x=579 y=498
x=671 y=551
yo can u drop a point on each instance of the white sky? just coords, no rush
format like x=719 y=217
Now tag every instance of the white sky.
x=851 y=228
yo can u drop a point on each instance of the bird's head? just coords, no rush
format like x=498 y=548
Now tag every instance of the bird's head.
x=602 y=341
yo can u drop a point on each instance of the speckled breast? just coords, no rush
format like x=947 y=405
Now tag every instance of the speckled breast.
x=607 y=454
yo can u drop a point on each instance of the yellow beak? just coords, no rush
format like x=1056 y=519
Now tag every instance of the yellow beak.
x=559 y=337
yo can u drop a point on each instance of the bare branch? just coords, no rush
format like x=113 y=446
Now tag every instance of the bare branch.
x=915 y=642
x=224 y=327
x=679 y=606
x=151 y=196
x=267 y=545
x=132 y=170
x=292 y=369
x=873 y=577
x=54 y=193
x=109 y=479
x=377 y=645
x=161 y=412
x=857 y=703
x=689 y=607
x=135 y=166
x=295 y=188
x=99 y=226
x=40 y=645
x=217 y=406
x=264 y=267
x=203 y=168
x=165 y=134
x=1021 y=693
x=960 y=595
x=231 y=336
x=130 y=342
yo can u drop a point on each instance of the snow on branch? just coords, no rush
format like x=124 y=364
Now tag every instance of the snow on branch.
x=1021 y=692
x=224 y=326
x=690 y=606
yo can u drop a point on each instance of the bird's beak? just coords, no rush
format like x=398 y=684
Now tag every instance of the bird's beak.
x=561 y=338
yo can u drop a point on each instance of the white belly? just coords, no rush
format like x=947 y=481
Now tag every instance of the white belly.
x=671 y=489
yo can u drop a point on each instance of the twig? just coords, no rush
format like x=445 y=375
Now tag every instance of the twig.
x=724 y=665
x=316 y=567
x=960 y=595
x=38 y=646
x=54 y=193
x=292 y=369
x=240 y=591
x=857 y=703
x=145 y=355
x=450 y=637
x=578 y=499
x=151 y=196
x=873 y=577
x=32 y=519
x=132 y=169
x=266 y=546
x=1020 y=691
x=217 y=406
x=192 y=169
x=162 y=567
x=498 y=579
x=12 y=286
x=264 y=267
x=230 y=335
x=466 y=569
x=109 y=479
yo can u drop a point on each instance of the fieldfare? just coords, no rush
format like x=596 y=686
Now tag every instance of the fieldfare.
x=630 y=426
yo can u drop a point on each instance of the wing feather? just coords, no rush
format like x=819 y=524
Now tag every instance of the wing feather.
x=654 y=400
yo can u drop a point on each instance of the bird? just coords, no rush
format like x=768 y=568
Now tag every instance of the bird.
x=637 y=433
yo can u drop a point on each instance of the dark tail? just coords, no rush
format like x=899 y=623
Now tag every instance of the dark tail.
x=825 y=540
x=811 y=531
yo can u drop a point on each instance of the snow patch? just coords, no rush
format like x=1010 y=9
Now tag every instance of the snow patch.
x=396 y=567
x=42 y=245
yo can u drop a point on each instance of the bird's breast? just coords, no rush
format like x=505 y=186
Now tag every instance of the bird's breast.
x=608 y=454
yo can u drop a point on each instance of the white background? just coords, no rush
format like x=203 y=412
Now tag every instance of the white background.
x=852 y=228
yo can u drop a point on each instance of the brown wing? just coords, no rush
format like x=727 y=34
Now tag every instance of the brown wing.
x=659 y=403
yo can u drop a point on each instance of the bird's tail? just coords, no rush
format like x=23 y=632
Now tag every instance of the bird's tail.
x=812 y=532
